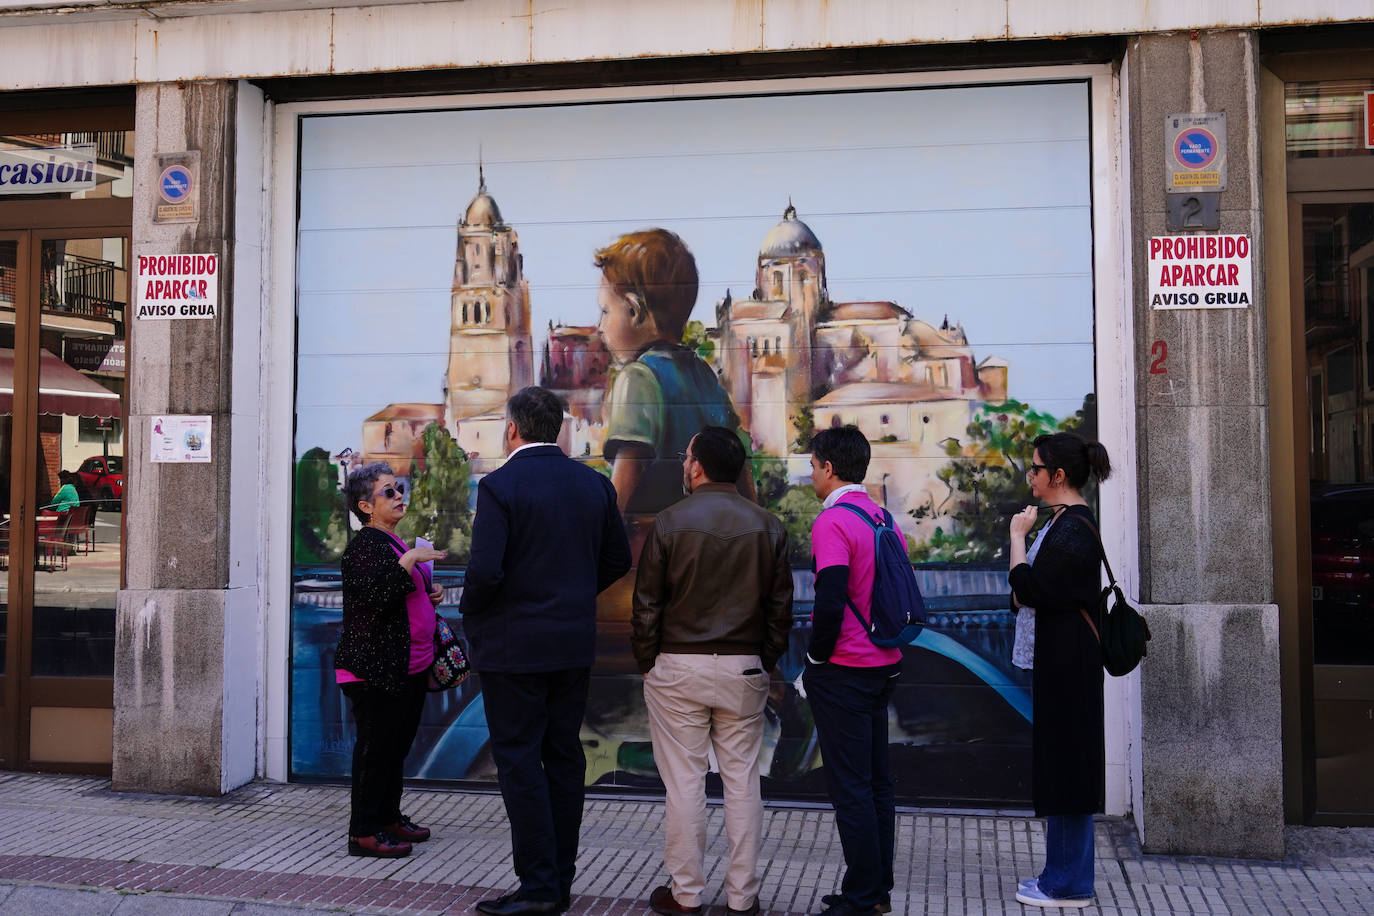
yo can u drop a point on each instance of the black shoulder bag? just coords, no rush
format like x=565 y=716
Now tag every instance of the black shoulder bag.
x=1124 y=632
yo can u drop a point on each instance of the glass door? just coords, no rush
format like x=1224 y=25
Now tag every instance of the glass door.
x=61 y=419
x=13 y=252
x=1338 y=301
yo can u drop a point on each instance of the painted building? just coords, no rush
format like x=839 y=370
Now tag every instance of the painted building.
x=992 y=187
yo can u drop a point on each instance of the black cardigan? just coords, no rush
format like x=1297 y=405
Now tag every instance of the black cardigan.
x=1067 y=756
x=375 y=641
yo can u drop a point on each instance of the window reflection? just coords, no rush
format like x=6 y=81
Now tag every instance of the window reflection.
x=1326 y=118
x=74 y=165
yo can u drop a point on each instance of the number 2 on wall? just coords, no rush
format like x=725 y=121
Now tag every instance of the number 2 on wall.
x=1160 y=351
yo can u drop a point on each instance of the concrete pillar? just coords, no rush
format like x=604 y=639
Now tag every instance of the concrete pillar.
x=1211 y=741
x=178 y=705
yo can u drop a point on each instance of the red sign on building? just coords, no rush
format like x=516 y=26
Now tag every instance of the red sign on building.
x=1369 y=120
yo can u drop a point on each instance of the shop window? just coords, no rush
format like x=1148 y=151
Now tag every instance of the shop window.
x=99 y=429
x=72 y=165
x=1326 y=118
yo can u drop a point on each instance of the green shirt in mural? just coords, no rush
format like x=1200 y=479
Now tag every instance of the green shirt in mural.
x=661 y=400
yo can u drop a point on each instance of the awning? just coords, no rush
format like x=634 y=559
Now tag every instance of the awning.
x=61 y=389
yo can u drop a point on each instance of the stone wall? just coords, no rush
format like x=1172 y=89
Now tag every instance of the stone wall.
x=170 y=640
x=1211 y=736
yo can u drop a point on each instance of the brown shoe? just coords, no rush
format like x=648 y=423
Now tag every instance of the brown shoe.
x=380 y=845
x=406 y=829
x=661 y=901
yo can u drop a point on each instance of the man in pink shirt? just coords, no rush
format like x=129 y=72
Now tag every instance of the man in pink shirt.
x=848 y=680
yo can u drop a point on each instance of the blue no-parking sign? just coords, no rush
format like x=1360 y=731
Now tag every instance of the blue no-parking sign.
x=1195 y=157
x=175 y=184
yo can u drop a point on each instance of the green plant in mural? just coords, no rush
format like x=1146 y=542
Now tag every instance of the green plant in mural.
x=798 y=509
x=694 y=338
x=770 y=479
x=321 y=520
x=985 y=480
x=438 y=509
x=804 y=421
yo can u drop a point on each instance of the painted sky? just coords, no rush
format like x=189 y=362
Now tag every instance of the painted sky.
x=971 y=202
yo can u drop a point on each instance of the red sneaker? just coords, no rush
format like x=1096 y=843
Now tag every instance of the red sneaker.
x=406 y=829
x=380 y=845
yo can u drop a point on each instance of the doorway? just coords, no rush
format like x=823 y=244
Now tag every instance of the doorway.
x=64 y=288
x=1330 y=215
x=1338 y=283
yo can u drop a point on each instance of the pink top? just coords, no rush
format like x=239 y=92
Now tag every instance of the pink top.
x=840 y=538
x=420 y=610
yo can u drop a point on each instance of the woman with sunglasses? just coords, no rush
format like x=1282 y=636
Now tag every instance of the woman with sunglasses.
x=1062 y=582
x=382 y=664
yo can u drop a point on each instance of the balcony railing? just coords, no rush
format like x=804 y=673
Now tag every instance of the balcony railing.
x=82 y=286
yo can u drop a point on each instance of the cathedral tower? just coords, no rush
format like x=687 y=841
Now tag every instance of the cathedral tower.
x=490 y=353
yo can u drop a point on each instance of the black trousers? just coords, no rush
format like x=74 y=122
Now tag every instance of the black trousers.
x=849 y=706
x=535 y=722
x=386 y=725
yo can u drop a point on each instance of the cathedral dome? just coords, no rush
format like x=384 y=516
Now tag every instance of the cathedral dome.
x=790 y=238
x=483 y=210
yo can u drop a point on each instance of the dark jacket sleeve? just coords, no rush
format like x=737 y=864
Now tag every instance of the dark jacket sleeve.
x=485 y=571
x=650 y=597
x=614 y=561
x=1065 y=575
x=778 y=604
x=372 y=569
x=832 y=591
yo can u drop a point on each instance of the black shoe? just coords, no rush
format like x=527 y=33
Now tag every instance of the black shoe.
x=380 y=845
x=514 y=905
x=751 y=910
x=834 y=900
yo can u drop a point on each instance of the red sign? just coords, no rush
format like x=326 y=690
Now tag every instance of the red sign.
x=1369 y=120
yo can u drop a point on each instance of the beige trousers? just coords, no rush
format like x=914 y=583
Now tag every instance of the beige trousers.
x=699 y=703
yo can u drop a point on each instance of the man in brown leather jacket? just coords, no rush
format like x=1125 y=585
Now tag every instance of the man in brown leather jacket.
x=712 y=608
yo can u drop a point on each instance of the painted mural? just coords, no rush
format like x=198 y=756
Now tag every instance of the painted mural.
x=914 y=262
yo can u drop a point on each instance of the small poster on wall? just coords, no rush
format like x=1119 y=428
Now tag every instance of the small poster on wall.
x=181 y=439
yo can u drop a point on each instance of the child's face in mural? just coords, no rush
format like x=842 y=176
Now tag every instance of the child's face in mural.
x=625 y=324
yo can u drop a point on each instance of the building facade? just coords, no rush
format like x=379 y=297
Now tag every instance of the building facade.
x=995 y=220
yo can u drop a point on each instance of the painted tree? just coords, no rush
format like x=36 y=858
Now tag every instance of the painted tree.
x=985 y=480
x=796 y=506
x=694 y=338
x=320 y=521
x=438 y=509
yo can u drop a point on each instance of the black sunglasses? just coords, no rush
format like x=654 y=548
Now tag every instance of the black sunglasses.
x=1038 y=467
x=391 y=492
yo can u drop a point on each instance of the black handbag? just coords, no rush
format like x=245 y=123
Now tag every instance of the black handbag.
x=1125 y=634
x=450 y=667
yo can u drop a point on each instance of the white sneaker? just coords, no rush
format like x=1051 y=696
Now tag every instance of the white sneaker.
x=1033 y=896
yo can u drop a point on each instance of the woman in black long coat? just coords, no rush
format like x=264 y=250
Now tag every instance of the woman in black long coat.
x=1063 y=584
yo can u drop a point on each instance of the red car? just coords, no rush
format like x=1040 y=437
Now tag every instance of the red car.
x=104 y=477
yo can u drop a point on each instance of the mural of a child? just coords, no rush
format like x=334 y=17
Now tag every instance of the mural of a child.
x=663 y=392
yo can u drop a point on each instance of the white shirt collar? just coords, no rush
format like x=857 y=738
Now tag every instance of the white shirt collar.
x=517 y=451
x=835 y=495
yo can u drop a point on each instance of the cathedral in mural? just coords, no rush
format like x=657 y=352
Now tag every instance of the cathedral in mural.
x=791 y=358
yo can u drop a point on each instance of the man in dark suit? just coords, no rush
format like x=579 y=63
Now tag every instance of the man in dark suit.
x=546 y=540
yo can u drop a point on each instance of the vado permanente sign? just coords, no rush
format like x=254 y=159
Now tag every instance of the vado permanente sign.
x=1200 y=272
x=178 y=286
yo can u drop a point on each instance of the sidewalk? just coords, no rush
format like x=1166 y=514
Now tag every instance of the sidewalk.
x=72 y=847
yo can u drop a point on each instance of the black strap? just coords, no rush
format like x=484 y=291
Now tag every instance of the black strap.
x=1101 y=548
x=887 y=522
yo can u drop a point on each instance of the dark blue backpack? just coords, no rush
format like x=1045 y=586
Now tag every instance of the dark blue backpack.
x=899 y=611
